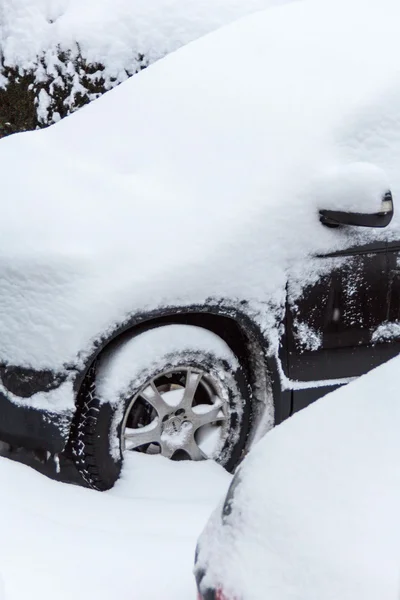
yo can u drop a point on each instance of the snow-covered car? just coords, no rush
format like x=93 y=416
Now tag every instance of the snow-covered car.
x=180 y=283
x=312 y=512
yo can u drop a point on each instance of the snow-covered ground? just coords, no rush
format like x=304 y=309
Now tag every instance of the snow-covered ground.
x=59 y=541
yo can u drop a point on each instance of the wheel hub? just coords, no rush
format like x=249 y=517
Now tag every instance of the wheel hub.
x=176 y=432
x=173 y=424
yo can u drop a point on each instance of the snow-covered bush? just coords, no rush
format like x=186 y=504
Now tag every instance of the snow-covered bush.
x=57 y=55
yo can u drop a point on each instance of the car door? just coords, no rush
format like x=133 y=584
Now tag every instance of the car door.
x=389 y=332
x=334 y=313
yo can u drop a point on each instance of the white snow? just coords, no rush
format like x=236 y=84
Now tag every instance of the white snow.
x=59 y=399
x=316 y=514
x=60 y=541
x=211 y=193
x=44 y=103
x=122 y=367
x=352 y=187
x=308 y=338
x=120 y=36
x=386 y=332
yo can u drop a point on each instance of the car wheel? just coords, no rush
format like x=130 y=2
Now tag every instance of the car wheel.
x=175 y=390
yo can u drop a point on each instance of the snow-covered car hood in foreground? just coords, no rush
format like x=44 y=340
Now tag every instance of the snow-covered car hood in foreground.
x=213 y=193
x=315 y=514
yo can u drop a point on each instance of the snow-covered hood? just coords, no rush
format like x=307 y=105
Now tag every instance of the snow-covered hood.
x=197 y=178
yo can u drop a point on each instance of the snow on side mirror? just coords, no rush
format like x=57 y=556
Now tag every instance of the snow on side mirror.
x=382 y=218
x=356 y=194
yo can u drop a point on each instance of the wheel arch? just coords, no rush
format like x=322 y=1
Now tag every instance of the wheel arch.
x=237 y=329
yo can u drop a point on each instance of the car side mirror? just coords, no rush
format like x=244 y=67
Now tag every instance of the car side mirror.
x=382 y=218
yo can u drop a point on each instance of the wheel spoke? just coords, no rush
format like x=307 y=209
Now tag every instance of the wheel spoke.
x=214 y=415
x=174 y=423
x=154 y=398
x=138 y=437
x=192 y=382
x=167 y=450
x=194 y=451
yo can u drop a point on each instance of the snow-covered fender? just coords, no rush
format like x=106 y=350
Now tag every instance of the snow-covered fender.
x=37 y=407
x=234 y=324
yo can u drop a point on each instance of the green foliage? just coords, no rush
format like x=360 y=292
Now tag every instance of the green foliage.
x=46 y=93
x=17 y=103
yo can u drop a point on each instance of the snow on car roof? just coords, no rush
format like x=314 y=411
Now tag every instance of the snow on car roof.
x=201 y=175
x=316 y=514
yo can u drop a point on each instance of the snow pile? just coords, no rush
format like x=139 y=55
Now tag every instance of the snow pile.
x=143 y=351
x=386 y=331
x=60 y=541
x=353 y=187
x=316 y=514
x=210 y=195
x=66 y=52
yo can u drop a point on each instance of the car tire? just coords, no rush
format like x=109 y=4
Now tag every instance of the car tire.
x=182 y=380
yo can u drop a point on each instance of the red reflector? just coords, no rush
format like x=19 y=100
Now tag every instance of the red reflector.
x=219 y=595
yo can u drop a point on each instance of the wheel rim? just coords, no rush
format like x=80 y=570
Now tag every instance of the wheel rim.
x=180 y=414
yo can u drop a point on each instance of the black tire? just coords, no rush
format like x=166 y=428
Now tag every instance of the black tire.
x=95 y=442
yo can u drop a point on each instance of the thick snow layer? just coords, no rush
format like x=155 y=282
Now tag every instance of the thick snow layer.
x=146 y=351
x=212 y=192
x=387 y=331
x=136 y=541
x=352 y=187
x=60 y=399
x=116 y=37
x=316 y=514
